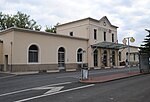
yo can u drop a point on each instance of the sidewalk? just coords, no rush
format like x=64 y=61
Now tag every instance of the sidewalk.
x=107 y=78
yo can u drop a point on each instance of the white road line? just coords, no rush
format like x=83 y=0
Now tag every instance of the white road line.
x=14 y=92
x=7 y=76
x=69 y=76
x=44 y=95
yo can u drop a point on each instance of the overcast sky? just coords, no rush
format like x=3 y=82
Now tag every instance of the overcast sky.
x=131 y=16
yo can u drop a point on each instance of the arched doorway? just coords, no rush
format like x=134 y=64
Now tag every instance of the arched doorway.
x=105 y=58
x=95 y=57
x=61 y=58
x=113 y=58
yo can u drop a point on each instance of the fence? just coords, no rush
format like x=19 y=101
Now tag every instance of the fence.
x=144 y=62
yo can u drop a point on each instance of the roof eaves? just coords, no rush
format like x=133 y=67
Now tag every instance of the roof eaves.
x=38 y=32
x=105 y=17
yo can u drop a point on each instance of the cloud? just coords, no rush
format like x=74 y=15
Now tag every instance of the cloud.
x=128 y=15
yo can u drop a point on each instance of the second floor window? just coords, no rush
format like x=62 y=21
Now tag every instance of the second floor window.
x=112 y=37
x=95 y=34
x=104 y=36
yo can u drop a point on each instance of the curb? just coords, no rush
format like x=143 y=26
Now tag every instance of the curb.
x=96 y=82
x=37 y=72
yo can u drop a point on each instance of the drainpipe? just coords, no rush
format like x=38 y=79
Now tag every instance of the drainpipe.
x=11 y=57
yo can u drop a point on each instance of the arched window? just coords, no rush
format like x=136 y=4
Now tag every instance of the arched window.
x=113 y=58
x=119 y=56
x=95 y=55
x=79 y=55
x=105 y=58
x=61 y=57
x=33 y=54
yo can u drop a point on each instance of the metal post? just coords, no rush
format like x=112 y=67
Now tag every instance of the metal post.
x=132 y=40
x=82 y=66
x=11 y=58
x=82 y=69
x=129 y=53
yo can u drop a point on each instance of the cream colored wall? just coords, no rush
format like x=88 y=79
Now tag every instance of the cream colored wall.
x=48 y=47
x=100 y=32
x=79 y=29
x=100 y=38
x=7 y=39
x=85 y=29
x=124 y=51
x=1 y=52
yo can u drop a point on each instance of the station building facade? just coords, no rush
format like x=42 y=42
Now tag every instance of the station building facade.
x=134 y=56
x=87 y=41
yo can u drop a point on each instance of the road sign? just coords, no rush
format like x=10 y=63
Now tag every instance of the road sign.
x=132 y=39
x=124 y=41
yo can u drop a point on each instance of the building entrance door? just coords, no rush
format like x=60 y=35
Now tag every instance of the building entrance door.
x=61 y=58
x=6 y=63
x=95 y=58
x=113 y=58
x=105 y=58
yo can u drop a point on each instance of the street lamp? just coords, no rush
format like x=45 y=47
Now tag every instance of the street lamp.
x=129 y=39
x=84 y=69
x=83 y=51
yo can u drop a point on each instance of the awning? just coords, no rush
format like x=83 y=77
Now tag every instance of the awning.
x=109 y=45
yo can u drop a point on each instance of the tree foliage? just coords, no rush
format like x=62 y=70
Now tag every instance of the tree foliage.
x=20 y=20
x=51 y=29
x=145 y=48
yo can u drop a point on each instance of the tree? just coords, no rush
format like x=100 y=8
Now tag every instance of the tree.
x=145 y=48
x=51 y=29
x=37 y=27
x=6 y=21
x=20 y=20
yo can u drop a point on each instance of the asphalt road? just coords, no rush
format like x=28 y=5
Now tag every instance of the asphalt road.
x=64 y=87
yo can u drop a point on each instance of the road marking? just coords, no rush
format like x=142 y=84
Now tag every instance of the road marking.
x=7 y=76
x=54 y=89
x=50 y=89
x=70 y=76
x=44 y=95
x=15 y=92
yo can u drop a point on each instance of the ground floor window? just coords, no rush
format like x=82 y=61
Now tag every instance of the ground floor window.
x=119 y=56
x=113 y=58
x=33 y=54
x=105 y=58
x=61 y=57
x=79 y=55
x=95 y=55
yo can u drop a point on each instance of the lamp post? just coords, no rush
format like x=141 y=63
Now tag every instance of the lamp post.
x=84 y=69
x=83 y=51
x=129 y=39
